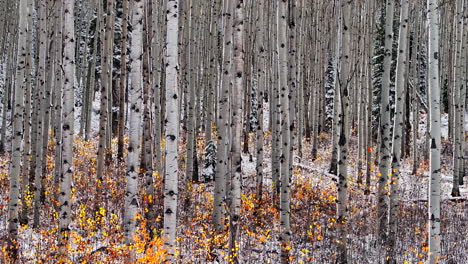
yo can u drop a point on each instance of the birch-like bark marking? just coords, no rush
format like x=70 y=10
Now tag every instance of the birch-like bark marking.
x=385 y=126
x=397 y=131
x=344 y=118
x=236 y=119
x=434 y=131
x=285 y=195
x=69 y=43
x=16 y=146
x=172 y=129
x=134 y=95
x=41 y=71
x=222 y=121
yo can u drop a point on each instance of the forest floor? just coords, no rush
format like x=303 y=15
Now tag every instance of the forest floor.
x=96 y=239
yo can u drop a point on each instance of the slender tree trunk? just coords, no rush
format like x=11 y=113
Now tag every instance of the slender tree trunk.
x=236 y=161
x=261 y=81
x=68 y=130
x=223 y=122
x=434 y=131
x=397 y=132
x=344 y=118
x=106 y=58
x=134 y=95
x=16 y=147
x=172 y=132
x=41 y=71
x=58 y=97
x=123 y=81
x=385 y=126
x=26 y=186
x=285 y=195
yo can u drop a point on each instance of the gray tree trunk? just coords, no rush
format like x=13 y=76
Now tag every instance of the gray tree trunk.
x=65 y=213
x=134 y=95
x=172 y=130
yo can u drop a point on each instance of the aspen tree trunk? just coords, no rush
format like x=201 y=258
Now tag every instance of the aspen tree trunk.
x=49 y=84
x=285 y=199
x=191 y=138
x=461 y=124
x=344 y=118
x=223 y=122
x=414 y=99
x=461 y=110
x=397 y=132
x=110 y=21
x=336 y=103
x=16 y=147
x=134 y=95
x=172 y=131
x=261 y=81
x=156 y=69
x=123 y=80
x=236 y=161
x=41 y=71
x=369 y=132
x=68 y=122
x=92 y=75
x=458 y=21
x=385 y=126
x=106 y=58
x=58 y=96
x=275 y=105
x=434 y=131
x=362 y=94
x=26 y=186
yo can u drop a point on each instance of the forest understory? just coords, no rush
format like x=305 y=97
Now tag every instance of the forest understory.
x=97 y=235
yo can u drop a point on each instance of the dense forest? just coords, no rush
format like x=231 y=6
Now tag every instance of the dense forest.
x=232 y=131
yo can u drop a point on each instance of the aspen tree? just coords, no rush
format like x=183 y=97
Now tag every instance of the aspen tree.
x=41 y=83
x=434 y=132
x=134 y=95
x=261 y=81
x=172 y=132
x=106 y=75
x=223 y=121
x=26 y=186
x=191 y=101
x=344 y=118
x=236 y=161
x=68 y=118
x=401 y=76
x=123 y=79
x=385 y=126
x=58 y=94
x=285 y=195
x=16 y=147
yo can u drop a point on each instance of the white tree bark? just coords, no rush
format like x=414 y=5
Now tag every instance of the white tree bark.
x=134 y=95
x=16 y=146
x=385 y=126
x=434 y=131
x=236 y=119
x=69 y=43
x=223 y=122
x=172 y=130
x=343 y=127
x=401 y=76
x=261 y=81
x=41 y=79
x=285 y=195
